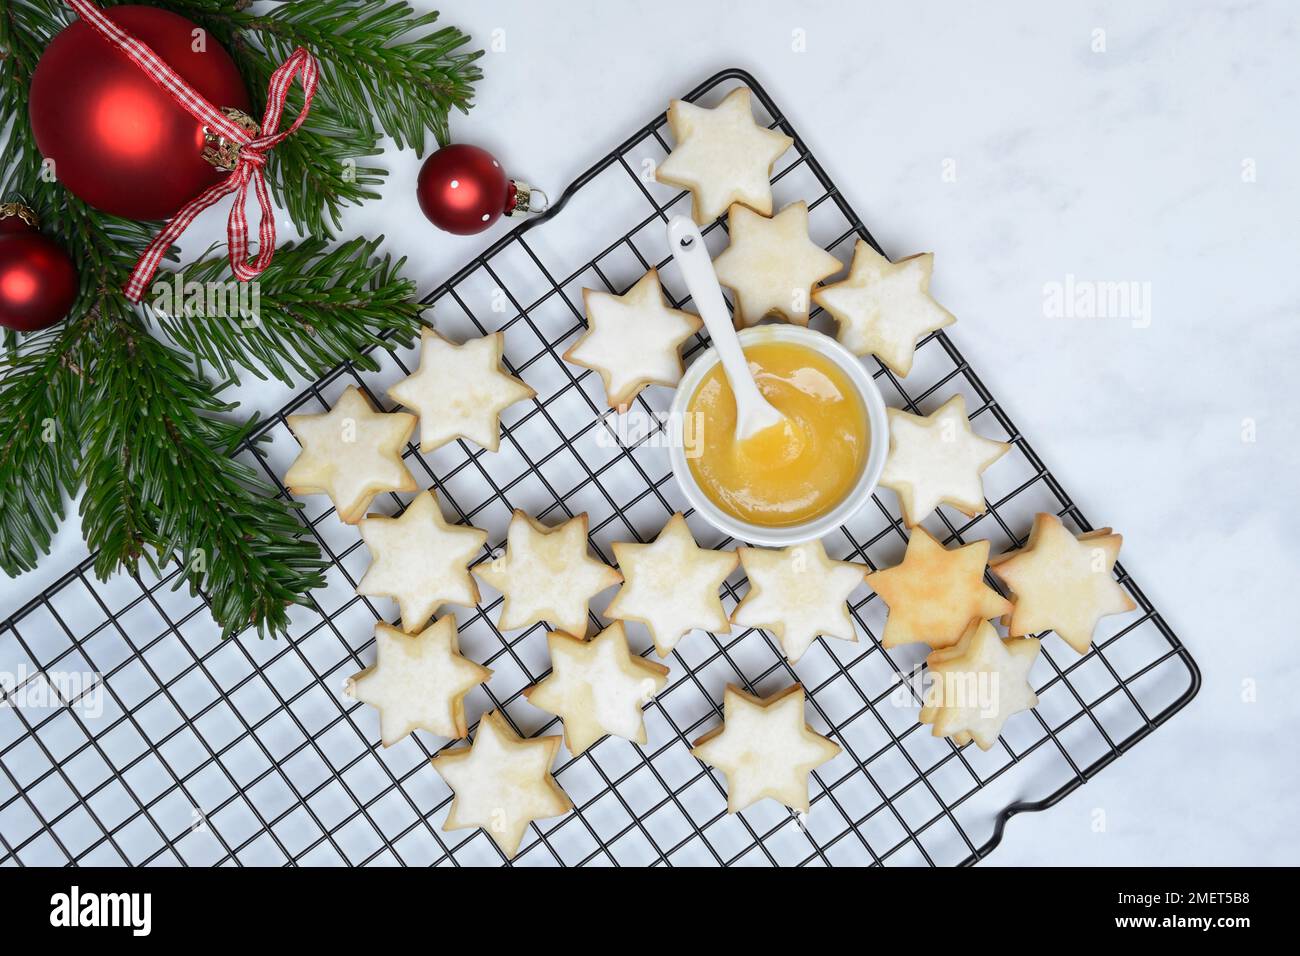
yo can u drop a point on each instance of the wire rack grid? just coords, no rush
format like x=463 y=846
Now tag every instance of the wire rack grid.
x=178 y=748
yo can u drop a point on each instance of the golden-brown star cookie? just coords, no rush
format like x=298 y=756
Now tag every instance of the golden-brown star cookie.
x=883 y=308
x=798 y=593
x=1063 y=583
x=460 y=391
x=935 y=592
x=597 y=687
x=546 y=574
x=420 y=561
x=722 y=156
x=671 y=586
x=632 y=340
x=350 y=453
x=772 y=265
x=936 y=459
x=765 y=748
x=418 y=682
x=501 y=783
x=978 y=683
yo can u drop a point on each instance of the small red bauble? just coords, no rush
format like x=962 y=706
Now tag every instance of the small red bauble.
x=38 y=283
x=117 y=140
x=463 y=190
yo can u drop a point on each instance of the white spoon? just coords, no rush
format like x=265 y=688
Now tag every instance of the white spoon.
x=753 y=412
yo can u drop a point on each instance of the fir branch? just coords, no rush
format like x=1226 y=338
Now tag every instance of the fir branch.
x=316 y=171
x=133 y=418
x=317 y=307
x=40 y=409
x=161 y=484
x=371 y=63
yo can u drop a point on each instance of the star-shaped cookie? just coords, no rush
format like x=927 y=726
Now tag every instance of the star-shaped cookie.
x=671 y=586
x=418 y=682
x=884 y=308
x=597 y=687
x=771 y=264
x=722 y=156
x=546 y=574
x=460 y=391
x=501 y=783
x=765 y=748
x=632 y=340
x=1063 y=583
x=978 y=683
x=350 y=453
x=935 y=592
x=937 y=459
x=420 y=561
x=798 y=593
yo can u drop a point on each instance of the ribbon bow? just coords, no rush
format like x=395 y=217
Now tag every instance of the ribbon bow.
x=252 y=147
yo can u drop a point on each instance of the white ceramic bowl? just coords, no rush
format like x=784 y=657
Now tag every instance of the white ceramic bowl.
x=877 y=421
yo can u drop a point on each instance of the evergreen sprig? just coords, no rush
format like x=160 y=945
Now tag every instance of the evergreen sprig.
x=102 y=402
x=40 y=391
x=162 y=483
x=318 y=307
x=376 y=59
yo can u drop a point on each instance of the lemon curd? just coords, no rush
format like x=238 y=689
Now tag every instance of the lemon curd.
x=793 y=472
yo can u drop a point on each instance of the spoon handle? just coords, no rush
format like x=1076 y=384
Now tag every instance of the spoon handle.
x=693 y=260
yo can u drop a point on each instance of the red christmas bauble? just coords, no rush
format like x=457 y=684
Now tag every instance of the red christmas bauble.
x=117 y=140
x=463 y=189
x=38 y=283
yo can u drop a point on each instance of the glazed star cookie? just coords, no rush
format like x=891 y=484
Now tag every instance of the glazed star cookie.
x=798 y=593
x=546 y=574
x=771 y=264
x=501 y=783
x=460 y=391
x=418 y=681
x=935 y=592
x=937 y=459
x=722 y=156
x=671 y=586
x=632 y=340
x=1063 y=583
x=978 y=683
x=765 y=748
x=597 y=687
x=350 y=453
x=883 y=308
x=420 y=561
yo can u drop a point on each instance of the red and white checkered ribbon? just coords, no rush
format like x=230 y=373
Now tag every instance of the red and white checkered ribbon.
x=252 y=151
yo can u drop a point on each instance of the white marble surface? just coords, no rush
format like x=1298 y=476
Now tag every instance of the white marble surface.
x=1123 y=165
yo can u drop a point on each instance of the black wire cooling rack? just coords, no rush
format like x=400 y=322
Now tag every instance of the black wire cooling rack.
x=132 y=734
